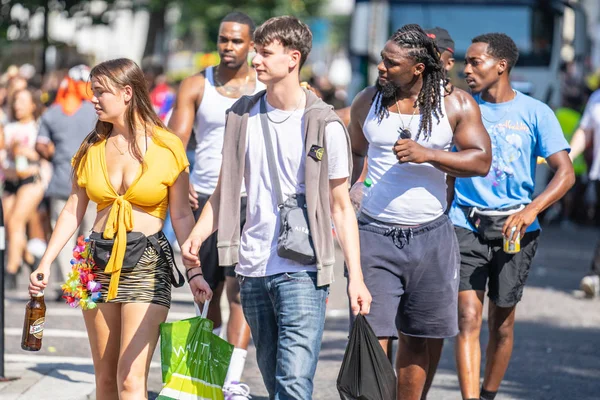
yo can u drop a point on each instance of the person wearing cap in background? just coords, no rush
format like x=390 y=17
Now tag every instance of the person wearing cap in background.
x=62 y=130
x=445 y=45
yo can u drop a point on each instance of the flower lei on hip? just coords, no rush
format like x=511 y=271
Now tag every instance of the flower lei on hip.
x=81 y=289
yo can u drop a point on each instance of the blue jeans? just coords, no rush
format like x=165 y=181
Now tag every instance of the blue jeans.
x=286 y=314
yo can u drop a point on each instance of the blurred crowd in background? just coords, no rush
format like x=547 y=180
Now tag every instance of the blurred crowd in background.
x=28 y=132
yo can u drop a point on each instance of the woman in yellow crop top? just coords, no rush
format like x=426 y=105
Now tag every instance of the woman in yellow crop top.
x=133 y=169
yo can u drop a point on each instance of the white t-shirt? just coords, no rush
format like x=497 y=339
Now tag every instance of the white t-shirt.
x=591 y=120
x=258 y=248
x=26 y=134
x=16 y=132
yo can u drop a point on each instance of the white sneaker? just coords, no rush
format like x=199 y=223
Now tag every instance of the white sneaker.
x=591 y=285
x=236 y=391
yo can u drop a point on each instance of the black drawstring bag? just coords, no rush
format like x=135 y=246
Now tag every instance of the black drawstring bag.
x=366 y=372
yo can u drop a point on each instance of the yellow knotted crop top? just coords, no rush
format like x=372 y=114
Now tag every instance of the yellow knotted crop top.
x=165 y=160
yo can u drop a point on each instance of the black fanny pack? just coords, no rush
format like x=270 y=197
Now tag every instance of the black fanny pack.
x=136 y=245
x=489 y=222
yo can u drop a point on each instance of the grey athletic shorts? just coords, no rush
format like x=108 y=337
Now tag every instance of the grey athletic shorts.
x=412 y=274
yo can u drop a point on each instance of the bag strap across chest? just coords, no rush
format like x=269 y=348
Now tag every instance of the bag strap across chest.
x=270 y=153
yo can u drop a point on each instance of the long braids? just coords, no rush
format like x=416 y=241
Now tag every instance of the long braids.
x=429 y=100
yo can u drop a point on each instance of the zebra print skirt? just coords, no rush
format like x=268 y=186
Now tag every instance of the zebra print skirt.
x=148 y=282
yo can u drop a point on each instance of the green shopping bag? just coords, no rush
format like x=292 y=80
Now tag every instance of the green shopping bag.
x=194 y=360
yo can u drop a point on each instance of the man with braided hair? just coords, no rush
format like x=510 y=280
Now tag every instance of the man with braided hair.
x=406 y=124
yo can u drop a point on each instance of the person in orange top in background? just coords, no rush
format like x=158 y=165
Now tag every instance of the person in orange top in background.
x=74 y=89
x=133 y=168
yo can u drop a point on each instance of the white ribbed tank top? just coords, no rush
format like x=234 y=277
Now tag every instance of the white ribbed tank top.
x=406 y=194
x=209 y=128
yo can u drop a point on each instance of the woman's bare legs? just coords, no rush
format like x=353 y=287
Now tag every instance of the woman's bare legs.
x=140 y=328
x=104 y=330
x=26 y=201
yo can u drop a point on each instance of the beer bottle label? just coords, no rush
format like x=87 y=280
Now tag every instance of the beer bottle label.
x=37 y=328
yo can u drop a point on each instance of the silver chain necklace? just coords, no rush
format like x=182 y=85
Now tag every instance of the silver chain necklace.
x=402 y=130
x=478 y=100
x=289 y=116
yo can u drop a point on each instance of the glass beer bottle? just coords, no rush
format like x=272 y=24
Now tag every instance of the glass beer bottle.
x=33 y=326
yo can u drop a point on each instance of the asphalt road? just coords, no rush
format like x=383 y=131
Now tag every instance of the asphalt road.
x=556 y=354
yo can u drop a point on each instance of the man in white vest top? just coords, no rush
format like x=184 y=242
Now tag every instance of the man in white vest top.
x=200 y=107
x=406 y=124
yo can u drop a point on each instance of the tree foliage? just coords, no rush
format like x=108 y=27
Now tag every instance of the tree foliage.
x=198 y=17
x=15 y=15
x=207 y=14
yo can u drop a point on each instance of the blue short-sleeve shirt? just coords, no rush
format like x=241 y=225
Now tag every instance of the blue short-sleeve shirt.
x=520 y=130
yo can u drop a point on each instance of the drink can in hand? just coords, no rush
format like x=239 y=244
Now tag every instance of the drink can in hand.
x=512 y=247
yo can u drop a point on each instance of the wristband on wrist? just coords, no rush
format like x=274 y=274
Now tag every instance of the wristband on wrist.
x=193 y=276
x=187 y=273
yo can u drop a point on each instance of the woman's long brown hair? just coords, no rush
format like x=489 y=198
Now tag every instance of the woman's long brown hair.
x=35 y=98
x=116 y=74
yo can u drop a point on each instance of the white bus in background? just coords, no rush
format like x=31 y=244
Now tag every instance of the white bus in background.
x=548 y=33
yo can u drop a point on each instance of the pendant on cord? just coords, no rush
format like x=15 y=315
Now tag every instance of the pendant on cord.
x=404 y=133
